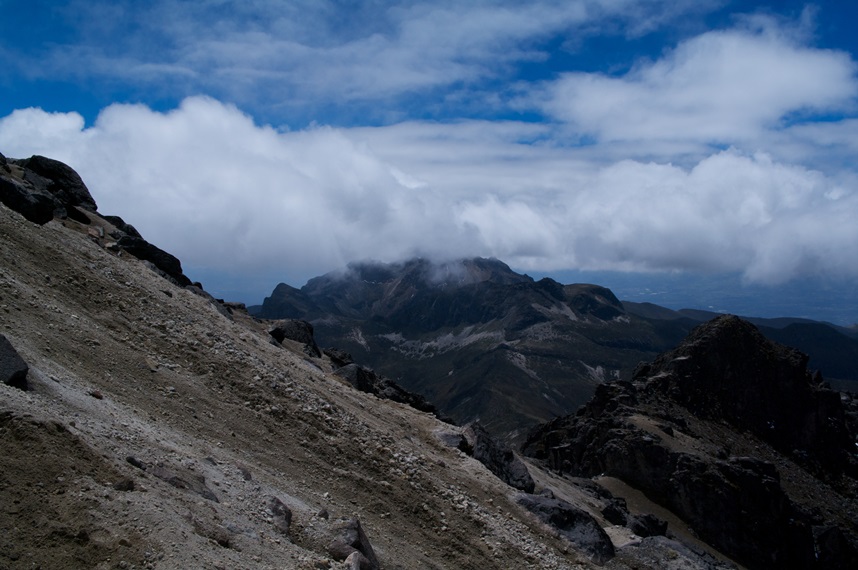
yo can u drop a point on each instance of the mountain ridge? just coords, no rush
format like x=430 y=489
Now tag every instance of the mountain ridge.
x=495 y=333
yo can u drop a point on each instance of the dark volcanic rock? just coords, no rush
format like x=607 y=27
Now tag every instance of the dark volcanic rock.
x=65 y=183
x=183 y=480
x=498 y=458
x=142 y=249
x=574 y=524
x=299 y=331
x=122 y=226
x=350 y=538
x=281 y=515
x=727 y=370
x=669 y=433
x=13 y=369
x=339 y=358
x=38 y=208
x=366 y=380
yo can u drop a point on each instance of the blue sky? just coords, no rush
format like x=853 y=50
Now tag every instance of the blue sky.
x=272 y=141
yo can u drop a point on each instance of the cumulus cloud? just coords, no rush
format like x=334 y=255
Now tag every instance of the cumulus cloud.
x=231 y=196
x=721 y=87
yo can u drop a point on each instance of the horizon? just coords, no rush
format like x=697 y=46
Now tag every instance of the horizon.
x=692 y=151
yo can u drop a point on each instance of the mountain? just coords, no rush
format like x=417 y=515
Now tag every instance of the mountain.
x=731 y=433
x=482 y=342
x=832 y=349
x=144 y=424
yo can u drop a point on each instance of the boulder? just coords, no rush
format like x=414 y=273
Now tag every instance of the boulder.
x=13 y=369
x=38 y=208
x=574 y=524
x=366 y=380
x=281 y=515
x=298 y=331
x=339 y=358
x=122 y=226
x=497 y=458
x=142 y=249
x=349 y=538
x=64 y=183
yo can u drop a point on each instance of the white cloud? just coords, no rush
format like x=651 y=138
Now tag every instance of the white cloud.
x=721 y=87
x=227 y=195
x=298 y=55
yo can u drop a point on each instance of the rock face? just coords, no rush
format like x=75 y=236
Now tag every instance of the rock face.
x=498 y=458
x=366 y=380
x=299 y=331
x=13 y=369
x=168 y=263
x=42 y=188
x=63 y=182
x=351 y=541
x=720 y=430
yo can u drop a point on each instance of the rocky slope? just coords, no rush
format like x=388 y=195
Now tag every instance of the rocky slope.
x=730 y=432
x=144 y=424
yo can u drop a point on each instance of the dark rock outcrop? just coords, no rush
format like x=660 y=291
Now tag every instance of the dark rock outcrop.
x=672 y=432
x=366 y=380
x=574 y=524
x=123 y=227
x=350 y=538
x=727 y=370
x=13 y=369
x=37 y=208
x=63 y=182
x=281 y=515
x=498 y=458
x=339 y=358
x=168 y=263
x=41 y=188
x=298 y=331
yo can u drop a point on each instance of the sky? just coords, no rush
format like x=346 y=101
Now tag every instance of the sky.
x=652 y=145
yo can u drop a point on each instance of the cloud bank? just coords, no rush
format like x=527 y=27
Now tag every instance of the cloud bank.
x=221 y=192
x=731 y=151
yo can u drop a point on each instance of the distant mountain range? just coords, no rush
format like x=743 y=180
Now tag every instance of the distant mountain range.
x=481 y=341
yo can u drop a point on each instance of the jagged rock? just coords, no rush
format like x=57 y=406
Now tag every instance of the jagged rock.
x=728 y=379
x=727 y=370
x=616 y=512
x=367 y=380
x=37 y=208
x=497 y=458
x=281 y=514
x=646 y=525
x=350 y=538
x=13 y=369
x=65 y=184
x=299 y=331
x=574 y=524
x=142 y=249
x=122 y=226
x=339 y=358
